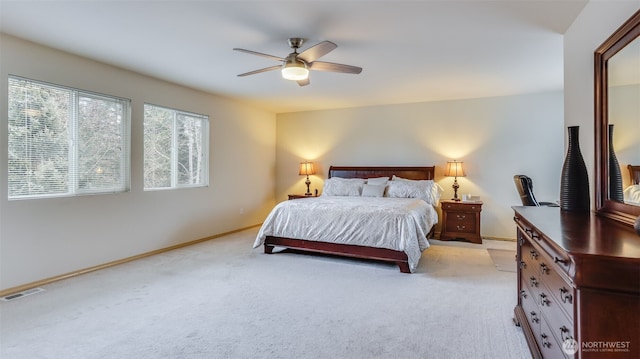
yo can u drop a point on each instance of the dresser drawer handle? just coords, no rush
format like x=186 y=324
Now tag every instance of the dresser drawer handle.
x=545 y=342
x=544 y=269
x=523 y=293
x=565 y=295
x=564 y=333
x=558 y=260
x=523 y=265
x=544 y=300
x=461 y=216
x=460 y=228
x=533 y=253
x=534 y=317
x=533 y=281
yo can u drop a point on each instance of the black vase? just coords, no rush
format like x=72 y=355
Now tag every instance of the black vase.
x=574 y=184
x=615 y=177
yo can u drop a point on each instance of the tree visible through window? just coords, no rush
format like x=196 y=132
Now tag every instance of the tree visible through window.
x=175 y=148
x=65 y=141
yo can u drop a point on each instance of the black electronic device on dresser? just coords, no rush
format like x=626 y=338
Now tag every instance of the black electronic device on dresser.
x=578 y=284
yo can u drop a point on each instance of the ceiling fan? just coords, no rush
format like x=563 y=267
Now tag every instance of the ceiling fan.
x=296 y=65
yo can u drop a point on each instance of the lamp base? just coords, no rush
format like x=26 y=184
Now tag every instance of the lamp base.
x=307 y=182
x=455 y=190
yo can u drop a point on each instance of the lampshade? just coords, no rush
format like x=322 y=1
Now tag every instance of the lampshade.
x=454 y=169
x=306 y=168
x=295 y=70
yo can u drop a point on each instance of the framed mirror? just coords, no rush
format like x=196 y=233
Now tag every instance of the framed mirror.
x=617 y=123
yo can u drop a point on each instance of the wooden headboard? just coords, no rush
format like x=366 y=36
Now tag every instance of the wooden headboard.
x=415 y=173
x=634 y=172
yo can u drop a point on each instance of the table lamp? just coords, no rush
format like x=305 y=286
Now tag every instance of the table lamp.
x=454 y=169
x=306 y=169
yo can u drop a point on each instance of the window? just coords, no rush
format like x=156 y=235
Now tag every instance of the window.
x=65 y=142
x=176 y=147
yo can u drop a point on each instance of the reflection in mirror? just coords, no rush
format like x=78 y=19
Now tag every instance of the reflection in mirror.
x=613 y=59
x=624 y=114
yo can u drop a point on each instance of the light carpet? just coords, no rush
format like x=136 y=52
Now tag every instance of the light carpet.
x=223 y=299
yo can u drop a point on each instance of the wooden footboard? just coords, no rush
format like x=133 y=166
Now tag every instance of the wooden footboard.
x=347 y=250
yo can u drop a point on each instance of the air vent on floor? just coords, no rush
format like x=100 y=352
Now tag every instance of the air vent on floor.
x=22 y=294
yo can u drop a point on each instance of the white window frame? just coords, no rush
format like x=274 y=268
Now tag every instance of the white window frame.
x=73 y=184
x=204 y=174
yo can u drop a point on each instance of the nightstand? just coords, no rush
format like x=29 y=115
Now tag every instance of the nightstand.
x=461 y=220
x=296 y=196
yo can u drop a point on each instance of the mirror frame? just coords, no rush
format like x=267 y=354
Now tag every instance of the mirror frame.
x=618 y=211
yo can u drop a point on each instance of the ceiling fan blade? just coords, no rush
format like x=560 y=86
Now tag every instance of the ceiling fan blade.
x=333 y=67
x=260 y=54
x=270 y=68
x=304 y=82
x=317 y=51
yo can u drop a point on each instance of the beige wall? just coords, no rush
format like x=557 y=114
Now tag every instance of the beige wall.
x=597 y=21
x=495 y=137
x=48 y=237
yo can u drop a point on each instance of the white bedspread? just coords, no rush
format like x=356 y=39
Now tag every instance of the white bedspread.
x=400 y=224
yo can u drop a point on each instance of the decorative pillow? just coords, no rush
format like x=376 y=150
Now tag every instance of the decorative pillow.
x=427 y=190
x=373 y=190
x=632 y=194
x=378 y=180
x=336 y=186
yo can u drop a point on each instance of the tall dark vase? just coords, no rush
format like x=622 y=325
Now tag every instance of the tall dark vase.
x=615 y=177
x=574 y=184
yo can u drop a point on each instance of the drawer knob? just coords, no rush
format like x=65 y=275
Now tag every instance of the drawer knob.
x=533 y=281
x=565 y=295
x=544 y=300
x=534 y=317
x=523 y=293
x=523 y=265
x=544 y=269
x=533 y=253
x=461 y=216
x=461 y=228
x=545 y=342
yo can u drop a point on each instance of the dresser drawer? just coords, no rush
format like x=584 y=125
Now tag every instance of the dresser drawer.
x=548 y=344
x=562 y=292
x=461 y=222
x=531 y=310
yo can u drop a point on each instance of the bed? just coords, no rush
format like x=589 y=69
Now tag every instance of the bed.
x=632 y=192
x=391 y=227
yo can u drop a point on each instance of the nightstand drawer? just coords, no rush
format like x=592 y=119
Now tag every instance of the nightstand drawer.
x=462 y=206
x=461 y=222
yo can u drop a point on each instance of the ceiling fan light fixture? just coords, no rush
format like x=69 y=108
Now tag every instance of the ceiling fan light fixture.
x=295 y=71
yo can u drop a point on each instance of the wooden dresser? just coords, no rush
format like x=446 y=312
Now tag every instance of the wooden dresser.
x=578 y=284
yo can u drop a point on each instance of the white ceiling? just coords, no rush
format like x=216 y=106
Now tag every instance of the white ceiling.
x=410 y=51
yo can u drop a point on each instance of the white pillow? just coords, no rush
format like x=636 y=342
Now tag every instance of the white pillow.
x=378 y=180
x=373 y=190
x=336 y=186
x=427 y=190
x=632 y=194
